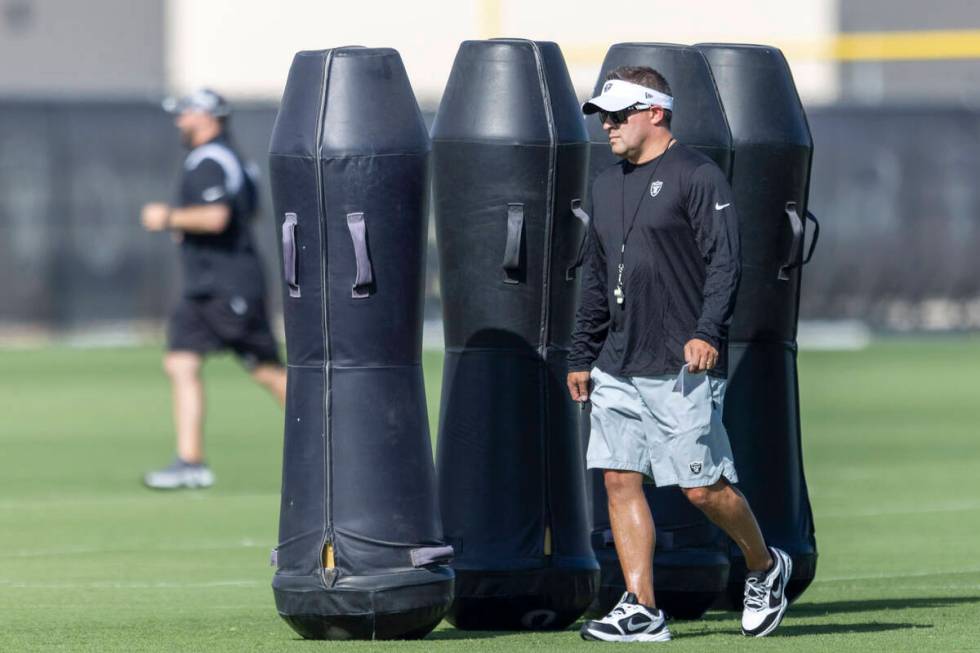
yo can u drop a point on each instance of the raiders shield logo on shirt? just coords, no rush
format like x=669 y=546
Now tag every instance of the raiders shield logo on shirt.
x=696 y=467
x=655 y=188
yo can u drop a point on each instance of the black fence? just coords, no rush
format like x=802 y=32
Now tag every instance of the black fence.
x=897 y=194
x=73 y=178
x=895 y=189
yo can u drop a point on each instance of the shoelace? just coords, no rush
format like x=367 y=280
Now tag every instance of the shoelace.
x=618 y=611
x=755 y=593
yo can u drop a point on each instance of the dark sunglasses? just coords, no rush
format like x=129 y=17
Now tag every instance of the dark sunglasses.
x=619 y=117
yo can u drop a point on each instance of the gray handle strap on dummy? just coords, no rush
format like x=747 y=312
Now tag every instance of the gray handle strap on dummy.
x=512 y=250
x=430 y=555
x=364 y=276
x=795 y=258
x=289 y=254
x=584 y=218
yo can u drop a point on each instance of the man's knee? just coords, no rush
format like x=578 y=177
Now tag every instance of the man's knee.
x=268 y=373
x=705 y=497
x=181 y=365
x=622 y=483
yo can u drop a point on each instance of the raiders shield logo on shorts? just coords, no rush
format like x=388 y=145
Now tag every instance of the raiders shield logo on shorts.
x=696 y=467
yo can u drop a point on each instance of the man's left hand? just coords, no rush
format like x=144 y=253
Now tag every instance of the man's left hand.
x=155 y=216
x=700 y=355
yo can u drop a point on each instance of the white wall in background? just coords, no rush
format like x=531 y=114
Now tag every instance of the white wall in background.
x=244 y=47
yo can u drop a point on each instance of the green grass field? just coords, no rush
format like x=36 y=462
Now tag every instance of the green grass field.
x=90 y=561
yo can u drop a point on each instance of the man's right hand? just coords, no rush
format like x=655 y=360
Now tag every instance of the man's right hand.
x=578 y=385
x=155 y=216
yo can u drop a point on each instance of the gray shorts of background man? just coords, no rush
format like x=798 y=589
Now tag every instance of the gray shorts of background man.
x=659 y=284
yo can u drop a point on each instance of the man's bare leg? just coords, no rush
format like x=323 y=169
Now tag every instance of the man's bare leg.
x=633 y=531
x=633 y=619
x=189 y=470
x=184 y=370
x=726 y=506
x=770 y=570
x=272 y=377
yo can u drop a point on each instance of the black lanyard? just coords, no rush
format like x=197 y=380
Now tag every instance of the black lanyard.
x=619 y=292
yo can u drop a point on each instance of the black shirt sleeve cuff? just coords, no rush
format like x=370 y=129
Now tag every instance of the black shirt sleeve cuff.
x=708 y=338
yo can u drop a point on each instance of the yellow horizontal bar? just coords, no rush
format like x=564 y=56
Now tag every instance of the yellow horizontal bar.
x=907 y=46
x=925 y=45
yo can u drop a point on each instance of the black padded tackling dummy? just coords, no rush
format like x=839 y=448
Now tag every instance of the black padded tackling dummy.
x=770 y=180
x=691 y=559
x=509 y=172
x=360 y=552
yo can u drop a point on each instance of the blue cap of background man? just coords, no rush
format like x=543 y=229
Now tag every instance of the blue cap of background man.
x=203 y=99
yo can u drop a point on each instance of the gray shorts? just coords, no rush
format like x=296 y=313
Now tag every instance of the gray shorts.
x=666 y=427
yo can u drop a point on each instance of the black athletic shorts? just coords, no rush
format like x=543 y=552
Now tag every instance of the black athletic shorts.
x=211 y=324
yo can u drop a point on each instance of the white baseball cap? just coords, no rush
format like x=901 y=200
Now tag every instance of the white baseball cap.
x=203 y=99
x=618 y=94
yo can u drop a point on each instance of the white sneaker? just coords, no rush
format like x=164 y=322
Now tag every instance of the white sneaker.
x=628 y=622
x=180 y=475
x=765 y=596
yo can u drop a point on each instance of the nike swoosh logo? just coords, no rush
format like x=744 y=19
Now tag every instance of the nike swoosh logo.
x=777 y=590
x=633 y=627
x=719 y=207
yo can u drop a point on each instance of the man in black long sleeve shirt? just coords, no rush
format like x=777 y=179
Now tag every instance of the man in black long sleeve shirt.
x=680 y=268
x=659 y=284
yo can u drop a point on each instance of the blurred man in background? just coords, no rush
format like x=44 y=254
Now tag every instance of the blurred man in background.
x=222 y=303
